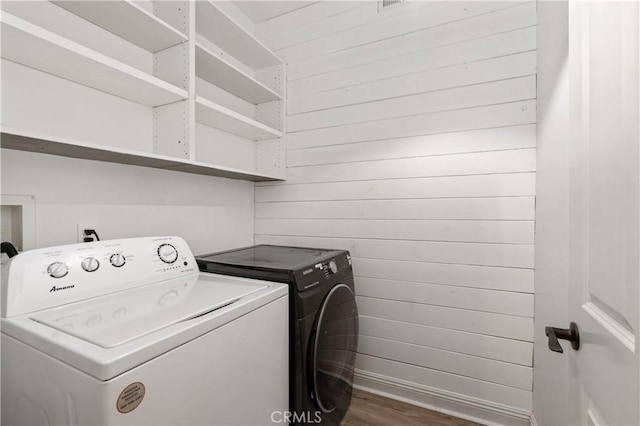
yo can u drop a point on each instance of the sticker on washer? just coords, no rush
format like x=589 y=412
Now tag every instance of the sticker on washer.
x=130 y=398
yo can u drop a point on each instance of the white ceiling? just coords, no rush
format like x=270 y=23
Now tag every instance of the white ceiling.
x=259 y=11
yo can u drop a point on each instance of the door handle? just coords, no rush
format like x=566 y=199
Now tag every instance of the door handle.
x=571 y=334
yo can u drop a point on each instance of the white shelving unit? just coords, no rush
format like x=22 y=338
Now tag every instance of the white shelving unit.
x=230 y=58
x=129 y=21
x=35 y=47
x=234 y=128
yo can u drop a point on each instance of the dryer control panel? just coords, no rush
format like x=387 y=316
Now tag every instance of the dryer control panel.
x=44 y=278
x=330 y=269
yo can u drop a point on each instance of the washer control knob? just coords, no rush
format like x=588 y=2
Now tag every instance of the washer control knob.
x=167 y=253
x=118 y=260
x=333 y=266
x=57 y=269
x=90 y=264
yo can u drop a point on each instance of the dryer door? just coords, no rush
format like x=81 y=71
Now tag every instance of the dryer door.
x=333 y=348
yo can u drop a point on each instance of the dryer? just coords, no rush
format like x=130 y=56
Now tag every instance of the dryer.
x=129 y=332
x=323 y=321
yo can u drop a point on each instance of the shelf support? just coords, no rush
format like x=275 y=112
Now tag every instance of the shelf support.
x=171 y=125
x=271 y=155
x=175 y=13
x=172 y=65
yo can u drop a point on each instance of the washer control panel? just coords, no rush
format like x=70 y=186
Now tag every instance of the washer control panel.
x=334 y=267
x=44 y=278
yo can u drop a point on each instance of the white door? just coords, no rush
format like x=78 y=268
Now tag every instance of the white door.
x=604 y=211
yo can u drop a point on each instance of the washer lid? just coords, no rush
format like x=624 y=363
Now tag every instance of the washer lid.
x=122 y=317
x=282 y=258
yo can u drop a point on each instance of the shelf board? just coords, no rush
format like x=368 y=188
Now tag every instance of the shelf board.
x=224 y=32
x=35 y=47
x=216 y=70
x=127 y=20
x=29 y=141
x=214 y=115
x=228 y=172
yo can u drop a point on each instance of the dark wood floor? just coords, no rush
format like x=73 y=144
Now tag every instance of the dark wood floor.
x=373 y=410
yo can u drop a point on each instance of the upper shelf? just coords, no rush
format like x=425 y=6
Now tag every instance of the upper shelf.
x=127 y=20
x=35 y=47
x=27 y=141
x=224 y=32
x=218 y=71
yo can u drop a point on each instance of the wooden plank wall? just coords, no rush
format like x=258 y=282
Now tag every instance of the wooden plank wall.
x=411 y=143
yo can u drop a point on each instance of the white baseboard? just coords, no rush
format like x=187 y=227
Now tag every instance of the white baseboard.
x=534 y=422
x=462 y=406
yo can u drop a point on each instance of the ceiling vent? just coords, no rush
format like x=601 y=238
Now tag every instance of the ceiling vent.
x=388 y=4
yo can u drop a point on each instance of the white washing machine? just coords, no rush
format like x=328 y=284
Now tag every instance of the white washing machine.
x=129 y=332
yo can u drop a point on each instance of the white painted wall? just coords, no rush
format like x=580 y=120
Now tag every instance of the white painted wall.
x=411 y=142
x=127 y=201
x=551 y=375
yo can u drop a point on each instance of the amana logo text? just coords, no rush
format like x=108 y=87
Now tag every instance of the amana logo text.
x=54 y=288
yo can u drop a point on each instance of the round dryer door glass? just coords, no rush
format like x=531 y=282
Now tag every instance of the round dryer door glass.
x=334 y=347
